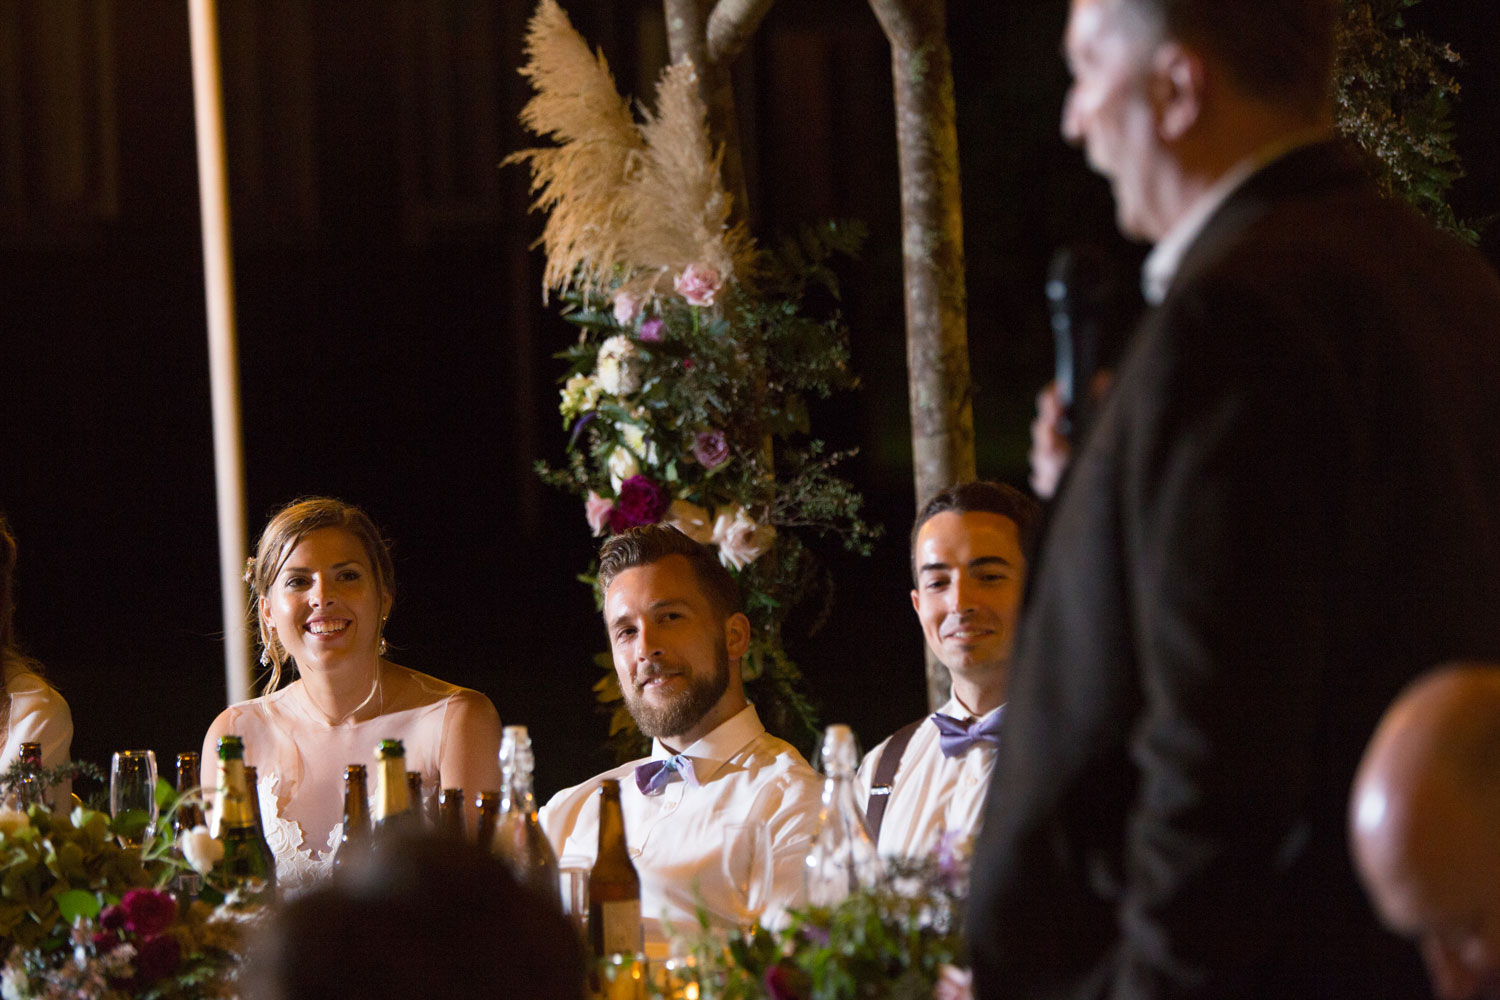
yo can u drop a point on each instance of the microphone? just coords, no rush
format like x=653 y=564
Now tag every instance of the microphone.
x=1081 y=296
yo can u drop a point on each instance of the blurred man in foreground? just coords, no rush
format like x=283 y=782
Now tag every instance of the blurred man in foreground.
x=1286 y=507
x=1425 y=823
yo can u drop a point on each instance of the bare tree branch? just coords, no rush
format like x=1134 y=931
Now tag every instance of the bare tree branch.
x=730 y=26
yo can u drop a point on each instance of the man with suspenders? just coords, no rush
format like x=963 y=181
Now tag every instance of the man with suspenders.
x=968 y=570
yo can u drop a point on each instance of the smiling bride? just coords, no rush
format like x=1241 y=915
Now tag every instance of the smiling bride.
x=321 y=587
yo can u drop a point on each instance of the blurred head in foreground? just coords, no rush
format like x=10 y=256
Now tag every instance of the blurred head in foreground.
x=425 y=918
x=1425 y=824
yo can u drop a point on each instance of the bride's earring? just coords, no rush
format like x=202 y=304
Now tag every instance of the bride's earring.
x=383 y=647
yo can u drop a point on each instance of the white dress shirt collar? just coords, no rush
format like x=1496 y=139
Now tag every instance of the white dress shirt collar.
x=714 y=750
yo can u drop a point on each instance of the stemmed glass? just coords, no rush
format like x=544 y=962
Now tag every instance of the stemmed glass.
x=748 y=869
x=132 y=795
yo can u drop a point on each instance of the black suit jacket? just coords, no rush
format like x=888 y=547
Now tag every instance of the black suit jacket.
x=1287 y=509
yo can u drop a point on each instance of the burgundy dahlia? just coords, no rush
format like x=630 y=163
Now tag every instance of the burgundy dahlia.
x=147 y=911
x=641 y=501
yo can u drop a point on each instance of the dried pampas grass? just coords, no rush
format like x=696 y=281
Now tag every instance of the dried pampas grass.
x=678 y=208
x=579 y=180
x=633 y=205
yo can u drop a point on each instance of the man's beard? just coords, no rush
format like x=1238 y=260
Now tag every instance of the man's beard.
x=684 y=711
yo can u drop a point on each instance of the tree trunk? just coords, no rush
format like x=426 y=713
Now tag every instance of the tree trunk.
x=937 y=345
x=710 y=35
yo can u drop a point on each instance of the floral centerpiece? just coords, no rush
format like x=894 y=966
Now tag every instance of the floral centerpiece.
x=82 y=917
x=902 y=940
x=687 y=391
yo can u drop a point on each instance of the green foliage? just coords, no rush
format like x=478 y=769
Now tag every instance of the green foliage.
x=889 y=943
x=1395 y=90
x=62 y=875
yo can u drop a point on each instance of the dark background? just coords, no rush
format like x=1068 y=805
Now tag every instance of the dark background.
x=394 y=348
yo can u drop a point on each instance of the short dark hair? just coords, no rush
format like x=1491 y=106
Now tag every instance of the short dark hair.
x=400 y=924
x=981 y=496
x=1280 y=50
x=654 y=542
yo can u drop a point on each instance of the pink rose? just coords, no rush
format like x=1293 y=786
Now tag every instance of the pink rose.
x=597 y=509
x=698 y=285
x=650 y=331
x=627 y=304
x=641 y=501
x=710 y=449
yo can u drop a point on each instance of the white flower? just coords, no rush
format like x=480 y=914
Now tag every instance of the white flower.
x=633 y=436
x=200 y=848
x=622 y=465
x=12 y=820
x=618 y=370
x=740 y=539
x=691 y=520
x=627 y=304
x=14 y=983
x=580 y=394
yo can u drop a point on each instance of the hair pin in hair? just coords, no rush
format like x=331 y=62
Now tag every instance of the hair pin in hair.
x=250 y=570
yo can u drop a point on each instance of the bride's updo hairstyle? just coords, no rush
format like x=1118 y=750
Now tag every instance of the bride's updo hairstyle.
x=285 y=531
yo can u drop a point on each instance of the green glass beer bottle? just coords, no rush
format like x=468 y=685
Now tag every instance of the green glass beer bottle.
x=248 y=864
x=395 y=813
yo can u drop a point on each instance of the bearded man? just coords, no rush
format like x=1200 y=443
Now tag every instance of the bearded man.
x=677 y=632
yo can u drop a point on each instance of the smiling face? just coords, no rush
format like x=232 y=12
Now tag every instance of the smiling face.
x=676 y=656
x=326 y=604
x=970 y=572
x=1109 y=111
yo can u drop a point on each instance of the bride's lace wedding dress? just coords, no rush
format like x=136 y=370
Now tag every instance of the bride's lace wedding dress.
x=300 y=760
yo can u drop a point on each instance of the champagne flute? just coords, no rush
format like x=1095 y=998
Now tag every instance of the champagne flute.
x=132 y=796
x=748 y=869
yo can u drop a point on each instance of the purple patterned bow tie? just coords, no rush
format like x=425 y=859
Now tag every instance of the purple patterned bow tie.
x=955 y=737
x=655 y=775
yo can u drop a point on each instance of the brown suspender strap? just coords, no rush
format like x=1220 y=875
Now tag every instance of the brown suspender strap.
x=885 y=774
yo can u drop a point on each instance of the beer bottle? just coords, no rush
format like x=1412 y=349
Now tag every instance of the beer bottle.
x=248 y=864
x=414 y=795
x=188 y=815
x=614 y=886
x=518 y=836
x=356 y=833
x=451 y=813
x=488 y=804
x=394 y=813
x=29 y=791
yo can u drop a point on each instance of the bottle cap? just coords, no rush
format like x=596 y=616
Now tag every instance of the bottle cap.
x=838 y=754
x=390 y=748
x=231 y=748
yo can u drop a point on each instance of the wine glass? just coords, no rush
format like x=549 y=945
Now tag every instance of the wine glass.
x=748 y=869
x=132 y=795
